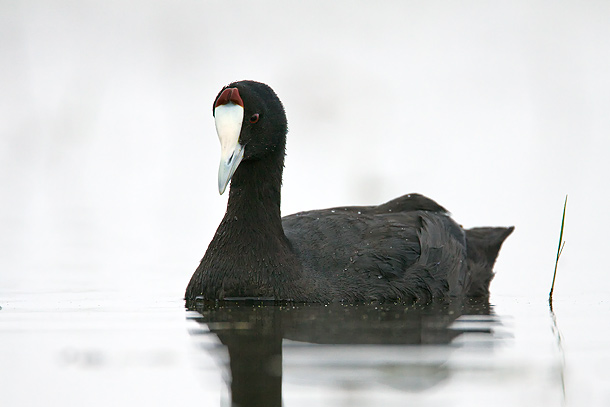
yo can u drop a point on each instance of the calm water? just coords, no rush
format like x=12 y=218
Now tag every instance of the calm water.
x=75 y=349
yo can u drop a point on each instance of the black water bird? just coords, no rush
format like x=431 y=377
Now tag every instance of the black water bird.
x=408 y=249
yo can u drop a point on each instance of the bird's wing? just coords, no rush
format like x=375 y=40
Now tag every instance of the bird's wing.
x=406 y=247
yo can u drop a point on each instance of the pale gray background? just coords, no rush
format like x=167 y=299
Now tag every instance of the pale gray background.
x=108 y=154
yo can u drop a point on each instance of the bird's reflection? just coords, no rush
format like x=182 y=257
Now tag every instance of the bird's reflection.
x=349 y=338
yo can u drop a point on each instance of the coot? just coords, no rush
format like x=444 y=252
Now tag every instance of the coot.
x=408 y=249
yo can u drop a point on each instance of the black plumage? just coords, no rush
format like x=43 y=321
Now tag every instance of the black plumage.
x=408 y=249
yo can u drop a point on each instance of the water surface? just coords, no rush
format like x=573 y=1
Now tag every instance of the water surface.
x=102 y=348
x=453 y=354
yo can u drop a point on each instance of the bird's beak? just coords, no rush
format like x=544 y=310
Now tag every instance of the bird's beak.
x=228 y=119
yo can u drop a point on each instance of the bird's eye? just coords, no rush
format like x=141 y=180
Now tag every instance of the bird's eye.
x=254 y=118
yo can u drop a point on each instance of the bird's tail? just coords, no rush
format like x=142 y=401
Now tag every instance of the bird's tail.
x=482 y=247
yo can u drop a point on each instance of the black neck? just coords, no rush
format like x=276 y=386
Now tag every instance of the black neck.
x=250 y=255
x=255 y=194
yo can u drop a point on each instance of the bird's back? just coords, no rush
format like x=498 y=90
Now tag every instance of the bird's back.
x=407 y=249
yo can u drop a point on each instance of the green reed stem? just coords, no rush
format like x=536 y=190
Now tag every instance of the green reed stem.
x=559 y=249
